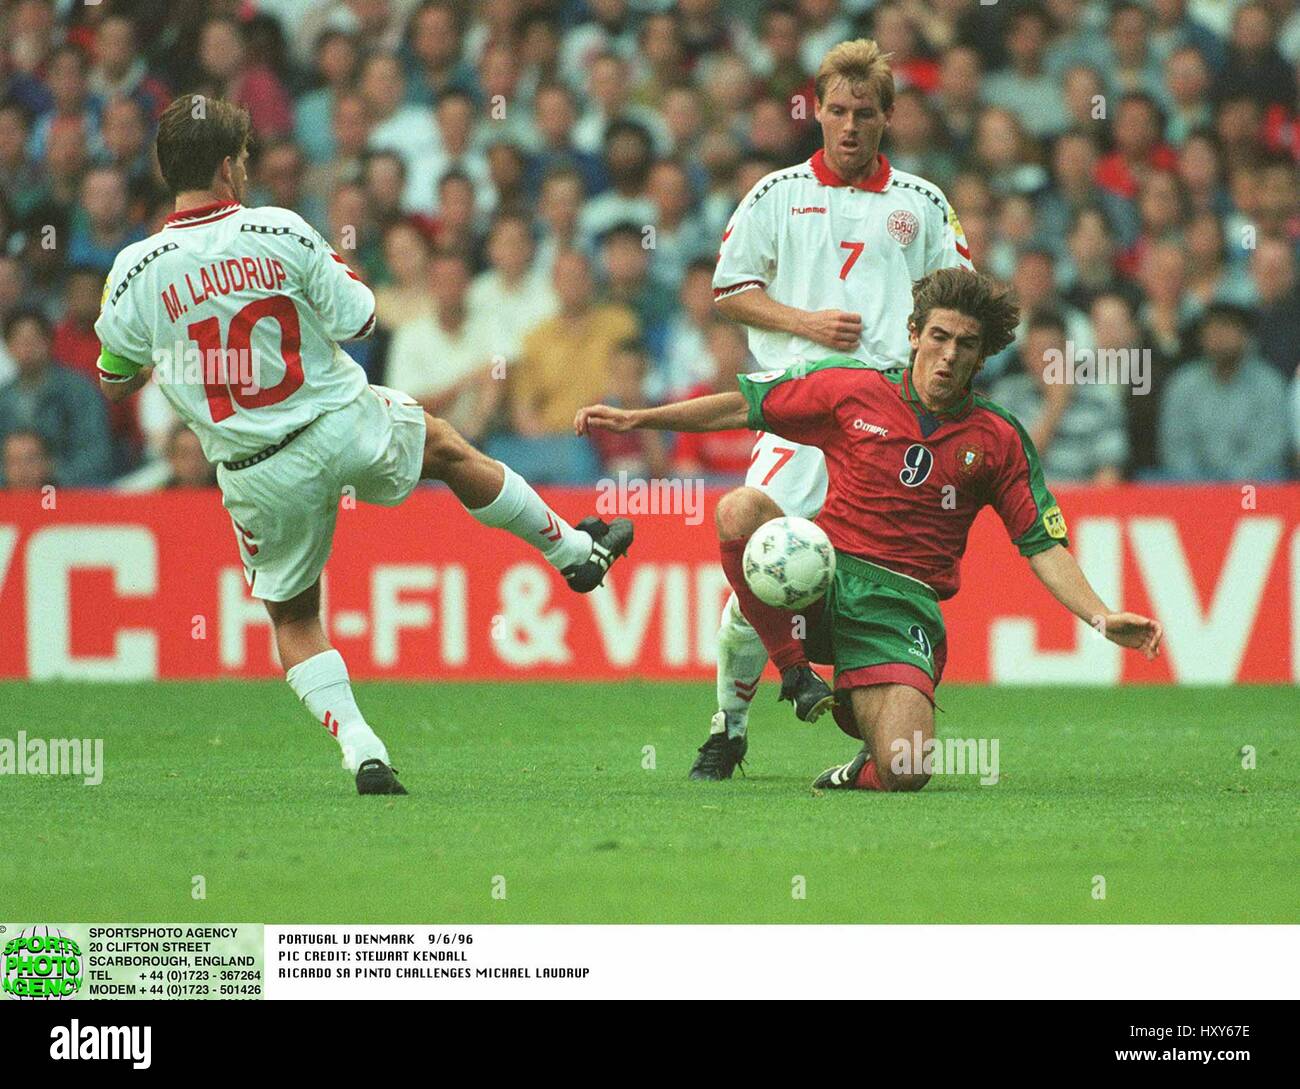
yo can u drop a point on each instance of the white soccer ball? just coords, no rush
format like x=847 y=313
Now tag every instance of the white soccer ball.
x=789 y=563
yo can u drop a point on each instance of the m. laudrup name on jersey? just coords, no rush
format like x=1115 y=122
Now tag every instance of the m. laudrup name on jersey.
x=276 y=310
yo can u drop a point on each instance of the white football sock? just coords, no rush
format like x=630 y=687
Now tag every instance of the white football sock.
x=520 y=510
x=321 y=682
x=741 y=658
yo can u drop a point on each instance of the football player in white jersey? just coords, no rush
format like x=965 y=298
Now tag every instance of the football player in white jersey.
x=819 y=259
x=238 y=313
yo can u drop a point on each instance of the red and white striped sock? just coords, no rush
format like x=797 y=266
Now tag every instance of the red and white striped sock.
x=518 y=509
x=741 y=658
x=775 y=626
x=321 y=682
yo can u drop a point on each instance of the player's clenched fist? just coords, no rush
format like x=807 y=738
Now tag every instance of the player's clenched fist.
x=604 y=418
x=838 y=329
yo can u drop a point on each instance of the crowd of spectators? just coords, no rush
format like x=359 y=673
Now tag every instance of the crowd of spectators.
x=537 y=189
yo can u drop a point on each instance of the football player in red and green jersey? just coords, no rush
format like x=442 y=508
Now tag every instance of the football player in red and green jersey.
x=912 y=455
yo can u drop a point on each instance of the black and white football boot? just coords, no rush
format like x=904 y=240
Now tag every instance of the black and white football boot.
x=721 y=754
x=843 y=776
x=812 y=697
x=609 y=541
x=376 y=777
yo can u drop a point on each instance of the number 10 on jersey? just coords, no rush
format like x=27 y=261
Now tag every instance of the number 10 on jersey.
x=225 y=389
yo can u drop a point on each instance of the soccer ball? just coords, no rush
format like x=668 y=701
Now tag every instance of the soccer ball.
x=789 y=563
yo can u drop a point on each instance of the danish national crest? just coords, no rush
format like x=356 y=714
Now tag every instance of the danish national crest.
x=902 y=226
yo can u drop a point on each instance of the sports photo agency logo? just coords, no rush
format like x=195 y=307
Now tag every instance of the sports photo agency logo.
x=41 y=962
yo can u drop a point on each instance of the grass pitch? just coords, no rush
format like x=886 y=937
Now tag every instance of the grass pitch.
x=546 y=786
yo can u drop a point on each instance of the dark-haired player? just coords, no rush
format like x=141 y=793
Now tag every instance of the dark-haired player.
x=820 y=256
x=912 y=456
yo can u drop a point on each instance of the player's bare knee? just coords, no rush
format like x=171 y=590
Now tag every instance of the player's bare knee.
x=915 y=781
x=443 y=447
x=741 y=511
x=305 y=606
x=900 y=781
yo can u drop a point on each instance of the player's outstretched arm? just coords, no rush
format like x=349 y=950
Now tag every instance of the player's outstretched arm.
x=716 y=412
x=1058 y=570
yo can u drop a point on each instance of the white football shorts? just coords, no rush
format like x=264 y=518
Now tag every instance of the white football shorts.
x=284 y=508
x=792 y=475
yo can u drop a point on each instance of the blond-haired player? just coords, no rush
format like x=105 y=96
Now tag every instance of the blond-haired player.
x=239 y=312
x=821 y=255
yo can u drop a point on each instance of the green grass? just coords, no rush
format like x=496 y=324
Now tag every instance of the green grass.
x=544 y=785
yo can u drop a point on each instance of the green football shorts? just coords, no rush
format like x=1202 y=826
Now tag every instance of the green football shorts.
x=878 y=627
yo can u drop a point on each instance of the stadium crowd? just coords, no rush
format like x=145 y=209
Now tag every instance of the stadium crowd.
x=536 y=190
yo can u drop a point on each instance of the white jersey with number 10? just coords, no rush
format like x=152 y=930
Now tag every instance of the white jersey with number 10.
x=240 y=311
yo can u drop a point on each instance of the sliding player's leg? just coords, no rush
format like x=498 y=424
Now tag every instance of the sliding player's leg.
x=890 y=648
x=739 y=514
x=499 y=497
x=793 y=478
x=784 y=478
x=896 y=722
x=319 y=678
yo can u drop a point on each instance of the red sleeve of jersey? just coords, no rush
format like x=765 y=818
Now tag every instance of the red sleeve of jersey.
x=1021 y=496
x=1012 y=497
x=803 y=408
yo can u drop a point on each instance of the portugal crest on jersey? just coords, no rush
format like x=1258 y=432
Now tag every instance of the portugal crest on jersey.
x=969 y=458
x=902 y=226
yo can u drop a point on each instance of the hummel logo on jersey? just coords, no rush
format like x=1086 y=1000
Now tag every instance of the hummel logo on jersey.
x=809 y=208
x=874 y=429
